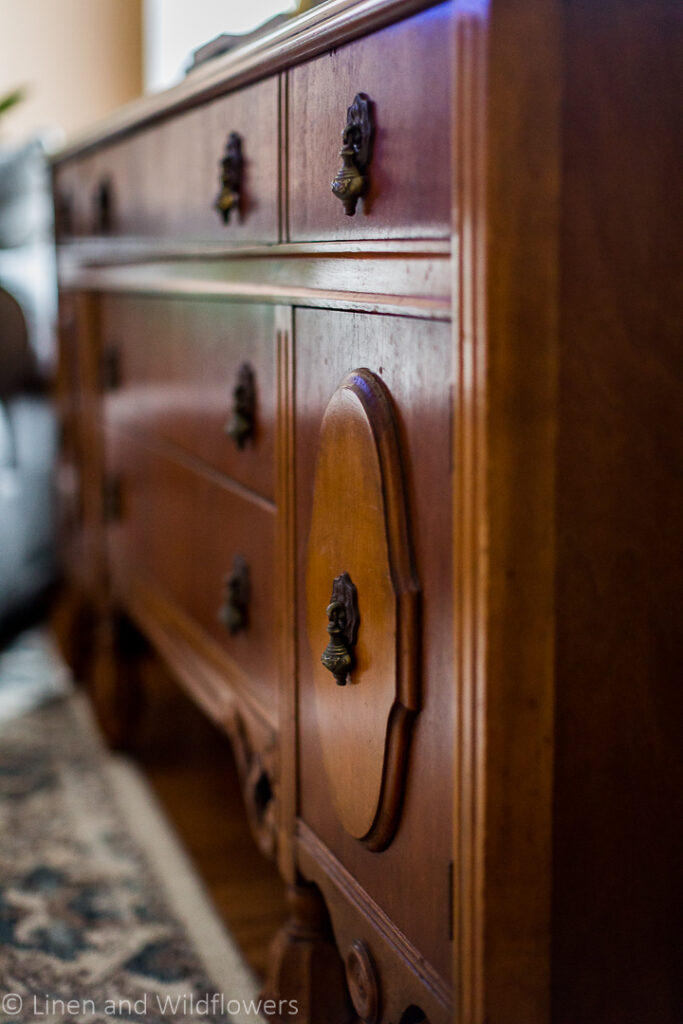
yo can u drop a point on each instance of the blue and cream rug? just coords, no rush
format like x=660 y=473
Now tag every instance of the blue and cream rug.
x=101 y=916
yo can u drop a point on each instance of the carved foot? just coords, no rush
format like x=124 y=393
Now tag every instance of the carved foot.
x=307 y=973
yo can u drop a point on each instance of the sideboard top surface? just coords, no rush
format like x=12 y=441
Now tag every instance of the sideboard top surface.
x=305 y=36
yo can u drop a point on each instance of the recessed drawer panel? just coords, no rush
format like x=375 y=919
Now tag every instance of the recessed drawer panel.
x=200 y=375
x=403 y=72
x=164 y=182
x=209 y=550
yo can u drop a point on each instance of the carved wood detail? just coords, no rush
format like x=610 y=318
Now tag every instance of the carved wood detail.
x=360 y=526
x=257 y=772
x=361 y=977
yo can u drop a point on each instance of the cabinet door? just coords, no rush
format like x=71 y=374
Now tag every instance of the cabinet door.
x=373 y=476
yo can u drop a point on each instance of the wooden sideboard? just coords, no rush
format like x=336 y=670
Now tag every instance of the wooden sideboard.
x=370 y=408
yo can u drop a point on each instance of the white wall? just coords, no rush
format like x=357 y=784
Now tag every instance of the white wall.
x=174 y=28
x=79 y=60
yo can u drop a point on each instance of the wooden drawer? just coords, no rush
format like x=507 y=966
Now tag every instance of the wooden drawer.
x=373 y=465
x=163 y=183
x=183 y=371
x=184 y=532
x=403 y=70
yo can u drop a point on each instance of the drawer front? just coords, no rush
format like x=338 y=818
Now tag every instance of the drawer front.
x=209 y=551
x=199 y=375
x=164 y=182
x=373 y=472
x=403 y=70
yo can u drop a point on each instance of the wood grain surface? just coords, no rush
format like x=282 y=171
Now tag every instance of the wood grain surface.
x=178 y=364
x=404 y=71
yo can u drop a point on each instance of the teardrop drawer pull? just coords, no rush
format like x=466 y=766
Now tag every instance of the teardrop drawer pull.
x=351 y=181
x=110 y=368
x=232 y=170
x=234 y=612
x=103 y=207
x=240 y=426
x=342 y=625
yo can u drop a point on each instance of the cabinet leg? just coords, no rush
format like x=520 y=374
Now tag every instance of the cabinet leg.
x=307 y=973
x=116 y=681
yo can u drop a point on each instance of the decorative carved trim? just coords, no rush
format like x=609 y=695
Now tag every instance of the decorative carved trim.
x=320 y=865
x=384 y=508
x=257 y=773
x=361 y=977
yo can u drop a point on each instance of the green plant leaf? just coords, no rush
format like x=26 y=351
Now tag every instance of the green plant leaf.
x=10 y=99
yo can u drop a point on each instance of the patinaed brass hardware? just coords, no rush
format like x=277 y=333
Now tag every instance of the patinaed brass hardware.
x=112 y=499
x=232 y=169
x=342 y=625
x=110 y=369
x=234 y=612
x=240 y=426
x=103 y=203
x=351 y=181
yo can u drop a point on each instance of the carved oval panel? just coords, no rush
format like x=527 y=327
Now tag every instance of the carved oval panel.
x=359 y=563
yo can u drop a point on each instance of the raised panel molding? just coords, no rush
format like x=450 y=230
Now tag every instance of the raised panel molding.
x=360 y=527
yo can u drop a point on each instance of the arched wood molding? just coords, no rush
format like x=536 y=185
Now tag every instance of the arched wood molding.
x=360 y=526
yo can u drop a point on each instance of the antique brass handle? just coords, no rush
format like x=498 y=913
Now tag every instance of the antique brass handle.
x=234 y=612
x=342 y=625
x=232 y=169
x=351 y=181
x=103 y=203
x=112 y=499
x=240 y=426
x=110 y=368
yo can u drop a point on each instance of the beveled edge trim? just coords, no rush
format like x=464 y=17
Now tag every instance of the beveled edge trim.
x=132 y=283
x=331 y=24
x=378 y=407
x=368 y=908
x=100 y=250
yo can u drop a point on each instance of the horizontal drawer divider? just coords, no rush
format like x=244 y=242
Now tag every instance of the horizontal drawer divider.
x=191 y=462
x=151 y=281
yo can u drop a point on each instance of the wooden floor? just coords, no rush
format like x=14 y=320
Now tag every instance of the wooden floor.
x=190 y=767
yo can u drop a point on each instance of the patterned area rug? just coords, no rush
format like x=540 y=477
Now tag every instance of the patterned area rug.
x=98 y=922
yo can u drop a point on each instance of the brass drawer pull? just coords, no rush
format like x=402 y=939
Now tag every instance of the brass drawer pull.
x=110 y=368
x=342 y=625
x=351 y=181
x=234 y=612
x=232 y=169
x=112 y=499
x=103 y=204
x=240 y=426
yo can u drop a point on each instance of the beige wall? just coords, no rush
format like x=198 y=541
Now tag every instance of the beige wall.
x=79 y=59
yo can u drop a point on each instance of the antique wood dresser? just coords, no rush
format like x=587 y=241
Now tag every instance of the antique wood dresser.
x=368 y=395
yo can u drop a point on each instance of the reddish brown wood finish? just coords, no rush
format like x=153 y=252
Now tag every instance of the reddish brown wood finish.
x=359 y=529
x=156 y=192
x=532 y=878
x=163 y=503
x=403 y=70
x=618 y=767
x=329 y=346
x=178 y=365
